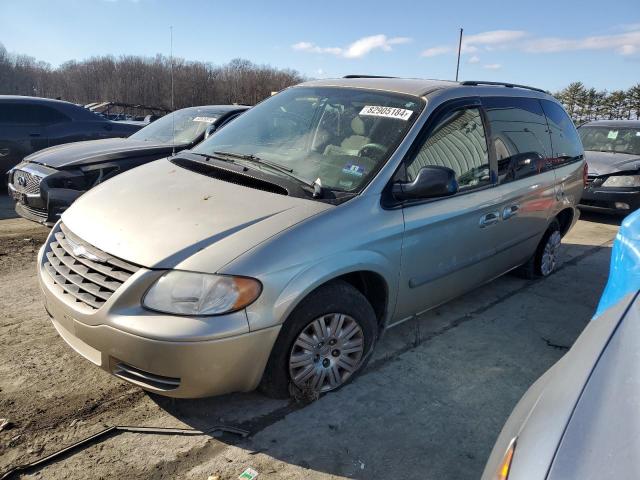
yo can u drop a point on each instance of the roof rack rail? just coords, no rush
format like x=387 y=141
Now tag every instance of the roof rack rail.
x=502 y=84
x=367 y=76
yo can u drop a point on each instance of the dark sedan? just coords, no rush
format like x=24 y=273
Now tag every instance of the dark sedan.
x=29 y=124
x=47 y=182
x=612 y=150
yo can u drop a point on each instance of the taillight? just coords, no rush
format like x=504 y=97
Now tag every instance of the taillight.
x=585 y=174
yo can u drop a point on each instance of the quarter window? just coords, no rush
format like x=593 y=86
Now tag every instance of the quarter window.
x=457 y=142
x=567 y=147
x=520 y=137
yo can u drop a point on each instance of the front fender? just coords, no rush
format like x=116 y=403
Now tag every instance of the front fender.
x=311 y=276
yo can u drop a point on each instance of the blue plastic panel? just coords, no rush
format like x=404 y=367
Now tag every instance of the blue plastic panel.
x=624 y=274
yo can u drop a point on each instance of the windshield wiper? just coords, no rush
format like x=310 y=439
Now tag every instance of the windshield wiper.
x=215 y=157
x=315 y=186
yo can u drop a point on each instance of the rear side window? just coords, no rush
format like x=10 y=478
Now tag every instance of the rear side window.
x=565 y=141
x=49 y=115
x=27 y=114
x=457 y=142
x=16 y=113
x=520 y=137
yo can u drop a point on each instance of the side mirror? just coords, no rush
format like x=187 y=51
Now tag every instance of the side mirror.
x=430 y=182
x=209 y=131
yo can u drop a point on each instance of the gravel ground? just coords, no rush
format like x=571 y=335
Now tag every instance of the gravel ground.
x=429 y=405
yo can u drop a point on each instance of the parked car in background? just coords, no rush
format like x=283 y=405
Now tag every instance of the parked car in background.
x=47 y=182
x=276 y=251
x=29 y=124
x=612 y=150
x=580 y=419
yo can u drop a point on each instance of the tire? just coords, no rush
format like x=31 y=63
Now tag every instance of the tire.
x=338 y=305
x=545 y=260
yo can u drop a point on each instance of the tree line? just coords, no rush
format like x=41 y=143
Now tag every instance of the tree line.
x=584 y=104
x=147 y=81
x=143 y=80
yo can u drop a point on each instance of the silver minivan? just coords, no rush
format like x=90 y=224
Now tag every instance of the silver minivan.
x=276 y=252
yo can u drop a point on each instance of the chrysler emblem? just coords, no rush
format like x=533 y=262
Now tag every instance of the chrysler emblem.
x=82 y=252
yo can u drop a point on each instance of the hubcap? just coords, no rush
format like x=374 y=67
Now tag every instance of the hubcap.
x=327 y=352
x=550 y=254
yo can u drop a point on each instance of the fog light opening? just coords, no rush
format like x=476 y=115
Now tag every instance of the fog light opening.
x=622 y=206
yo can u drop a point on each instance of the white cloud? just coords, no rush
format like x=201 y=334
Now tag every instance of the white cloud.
x=432 y=52
x=622 y=43
x=492 y=66
x=627 y=43
x=474 y=59
x=310 y=47
x=357 y=49
x=627 y=49
x=494 y=37
x=491 y=40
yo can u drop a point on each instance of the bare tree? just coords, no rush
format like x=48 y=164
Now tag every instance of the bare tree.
x=143 y=80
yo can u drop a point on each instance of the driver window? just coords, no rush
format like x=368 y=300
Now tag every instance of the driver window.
x=457 y=142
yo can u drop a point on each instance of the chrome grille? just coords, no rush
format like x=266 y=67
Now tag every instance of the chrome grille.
x=82 y=271
x=25 y=182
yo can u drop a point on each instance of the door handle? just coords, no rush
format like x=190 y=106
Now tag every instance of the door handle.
x=489 y=219
x=510 y=211
x=34 y=134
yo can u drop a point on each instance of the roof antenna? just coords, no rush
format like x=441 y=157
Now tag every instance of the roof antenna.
x=173 y=118
x=459 y=49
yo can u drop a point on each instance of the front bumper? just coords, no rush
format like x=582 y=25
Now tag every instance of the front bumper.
x=605 y=200
x=37 y=202
x=183 y=357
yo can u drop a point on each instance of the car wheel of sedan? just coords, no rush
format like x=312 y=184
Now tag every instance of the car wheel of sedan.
x=546 y=259
x=323 y=344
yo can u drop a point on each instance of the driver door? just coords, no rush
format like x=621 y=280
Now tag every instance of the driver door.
x=449 y=241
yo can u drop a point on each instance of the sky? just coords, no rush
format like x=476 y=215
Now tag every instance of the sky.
x=543 y=43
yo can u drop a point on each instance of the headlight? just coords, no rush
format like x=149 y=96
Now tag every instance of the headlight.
x=622 y=181
x=189 y=293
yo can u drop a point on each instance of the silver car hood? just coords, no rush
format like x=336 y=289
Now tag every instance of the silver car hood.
x=602 y=439
x=161 y=215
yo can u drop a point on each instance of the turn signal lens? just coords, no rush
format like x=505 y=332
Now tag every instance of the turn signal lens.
x=505 y=465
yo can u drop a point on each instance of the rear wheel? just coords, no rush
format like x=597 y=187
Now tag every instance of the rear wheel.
x=546 y=259
x=323 y=344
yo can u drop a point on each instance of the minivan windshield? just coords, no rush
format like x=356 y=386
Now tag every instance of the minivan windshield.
x=337 y=136
x=611 y=139
x=180 y=127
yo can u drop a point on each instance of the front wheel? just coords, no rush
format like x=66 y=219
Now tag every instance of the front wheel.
x=323 y=344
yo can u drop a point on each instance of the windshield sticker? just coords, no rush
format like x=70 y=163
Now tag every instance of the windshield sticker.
x=351 y=169
x=637 y=134
x=205 y=119
x=613 y=134
x=388 y=112
x=345 y=183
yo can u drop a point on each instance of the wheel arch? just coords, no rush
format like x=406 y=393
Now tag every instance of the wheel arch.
x=368 y=272
x=565 y=218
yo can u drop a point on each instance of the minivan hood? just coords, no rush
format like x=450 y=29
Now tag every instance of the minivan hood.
x=92 y=151
x=160 y=215
x=605 y=163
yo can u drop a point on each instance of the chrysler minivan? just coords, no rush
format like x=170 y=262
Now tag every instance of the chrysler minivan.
x=276 y=252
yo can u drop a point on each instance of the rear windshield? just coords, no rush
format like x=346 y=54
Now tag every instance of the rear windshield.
x=179 y=127
x=340 y=136
x=611 y=139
